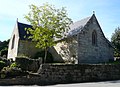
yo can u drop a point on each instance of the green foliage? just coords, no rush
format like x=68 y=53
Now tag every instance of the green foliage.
x=2 y=64
x=48 y=24
x=4 y=48
x=4 y=52
x=4 y=44
x=10 y=72
x=3 y=76
x=14 y=65
x=115 y=39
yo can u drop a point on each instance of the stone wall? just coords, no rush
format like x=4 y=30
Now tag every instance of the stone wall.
x=29 y=64
x=78 y=73
x=56 y=74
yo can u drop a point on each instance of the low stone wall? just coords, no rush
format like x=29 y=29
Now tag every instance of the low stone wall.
x=56 y=74
x=29 y=64
x=79 y=73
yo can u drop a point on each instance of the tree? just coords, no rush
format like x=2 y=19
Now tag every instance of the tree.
x=4 y=48
x=115 y=39
x=49 y=24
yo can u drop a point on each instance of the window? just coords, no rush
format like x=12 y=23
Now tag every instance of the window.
x=13 y=41
x=94 y=38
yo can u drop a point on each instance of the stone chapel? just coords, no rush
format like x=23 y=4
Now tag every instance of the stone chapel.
x=85 y=43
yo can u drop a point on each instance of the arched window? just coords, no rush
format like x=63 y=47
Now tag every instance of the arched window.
x=13 y=42
x=94 y=38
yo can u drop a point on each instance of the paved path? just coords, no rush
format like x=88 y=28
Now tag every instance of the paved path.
x=90 y=84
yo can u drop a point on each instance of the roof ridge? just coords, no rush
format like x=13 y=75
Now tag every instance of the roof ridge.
x=77 y=26
x=21 y=30
x=83 y=19
x=24 y=23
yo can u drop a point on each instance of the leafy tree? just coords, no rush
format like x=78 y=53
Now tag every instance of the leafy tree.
x=49 y=24
x=115 y=39
x=4 y=48
x=4 y=44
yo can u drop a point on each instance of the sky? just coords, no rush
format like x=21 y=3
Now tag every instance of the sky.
x=106 y=11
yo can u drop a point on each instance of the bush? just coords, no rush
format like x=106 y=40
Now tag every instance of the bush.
x=2 y=64
x=4 y=52
x=6 y=61
x=10 y=72
x=14 y=65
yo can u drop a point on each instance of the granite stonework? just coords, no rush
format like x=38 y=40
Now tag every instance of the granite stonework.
x=79 y=73
x=56 y=74
x=28 y=64
x=88 y=53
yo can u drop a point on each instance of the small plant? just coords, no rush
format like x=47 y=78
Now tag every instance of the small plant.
x=10 y=72
x=4 y=72
x=14 y=65
x=3 y=76
x=2 y=62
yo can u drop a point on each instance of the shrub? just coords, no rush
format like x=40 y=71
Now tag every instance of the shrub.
x=14 y=65
x=2 y=64
x=6 y=61
x=3 y=76
x=10 y=72
x=4 y=52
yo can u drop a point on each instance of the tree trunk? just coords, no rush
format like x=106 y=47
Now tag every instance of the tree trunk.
x=45 y=55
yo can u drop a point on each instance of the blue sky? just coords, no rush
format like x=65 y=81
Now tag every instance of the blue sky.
x=106 y=11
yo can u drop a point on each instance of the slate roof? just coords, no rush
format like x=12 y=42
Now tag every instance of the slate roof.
x=22 y=31
x=77 y=26
x=74 y=28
